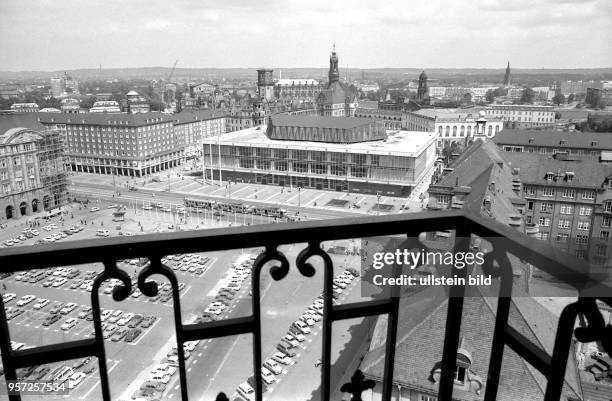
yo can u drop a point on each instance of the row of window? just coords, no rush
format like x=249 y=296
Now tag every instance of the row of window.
x=567 y=193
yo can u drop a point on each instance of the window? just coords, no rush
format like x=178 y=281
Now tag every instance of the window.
x=543 y=236
x=569 y=193
x=444 y=199
x=588 y=195
x=585 y=211
x=548 y=192
x=546 y=207
x=579 y=253
x=605 y=221
x=582 y=239
x=567 y=209
x=544 y=221
x=584 y=225
x=423 y=397
x=563 y=223
x=530 y=205
x=530 y=190
x=608 y=206
x=604 y=235
x=460 y=374
x=602 y=250
x=562 y=237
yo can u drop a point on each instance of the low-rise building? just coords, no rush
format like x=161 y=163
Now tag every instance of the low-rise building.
x=323 y=155
x=574 y=144
x=522 y=116
x=25 y=107
x=390 y=119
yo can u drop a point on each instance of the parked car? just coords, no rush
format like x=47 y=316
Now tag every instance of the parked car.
x=132 y=335
x=70 y=323
x=282 y=358
x=273 y=366
x=41 y=303
x=69 y=307
x=26 y=299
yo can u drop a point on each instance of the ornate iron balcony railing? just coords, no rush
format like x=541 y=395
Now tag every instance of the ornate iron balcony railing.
x=154 y=246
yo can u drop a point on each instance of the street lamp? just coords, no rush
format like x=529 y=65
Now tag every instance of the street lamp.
x=377 y=203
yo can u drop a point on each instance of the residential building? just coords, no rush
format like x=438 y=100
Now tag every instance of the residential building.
x=570 y=201
x=33 y=177
x=345 y=154
x=195 y=125
x=573 y=144
x=336 y=100
x=522 y=116
x=204 y=90
x=480 y=181
x=118 y=143
x=598 y=97
x=70 y=105
x=578 y=87
x=137 y=103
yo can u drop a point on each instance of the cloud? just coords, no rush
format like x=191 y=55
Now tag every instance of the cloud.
x=157 y=25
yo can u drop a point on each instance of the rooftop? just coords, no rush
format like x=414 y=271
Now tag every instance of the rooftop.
x=297 y=81
x=398 y=143
x=189 y=116
x=534 y=167
x=449 y=113
x=284 y=120
x=15 y=120
x=106 y=118
x=557 y=139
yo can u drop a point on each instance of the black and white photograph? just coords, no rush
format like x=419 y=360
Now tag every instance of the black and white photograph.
x=305 y=201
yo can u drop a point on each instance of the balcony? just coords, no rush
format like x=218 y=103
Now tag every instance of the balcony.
x=310 y=236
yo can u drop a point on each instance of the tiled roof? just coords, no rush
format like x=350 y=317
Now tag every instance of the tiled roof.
x=137 y=119
x=421 y=337
x=280 y=120
x=534 y=167
x=189 y=116
x=554 y=139
x=16 y=120
x=335 y=94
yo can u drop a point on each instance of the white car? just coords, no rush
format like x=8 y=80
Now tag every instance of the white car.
x=291 y=340
x=298 y=337
x=41 y=303
x=53 y=226
x=125 y=318
x=307 y=319
x=282 y=358
x=273 y=366
x=94 y=209
x=59 y=282
x=267 y=376
x=105 y=314
x=314 y=316
x=115 y=316
x=113 y=206
x=70 y=323
x=86 y=284
x=8 y=297
x=303 y=327
x=189 y=346
x=25 y=300
x=339 y=283
x=75 y=379
x=136 y=294
x=216 y=311
x=69 y=307
x=246 y=391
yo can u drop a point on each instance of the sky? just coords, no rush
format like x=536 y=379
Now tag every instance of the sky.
x=43 y=35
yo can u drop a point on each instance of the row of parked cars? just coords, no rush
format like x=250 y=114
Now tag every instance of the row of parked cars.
x=191 y=263
x=288 y=344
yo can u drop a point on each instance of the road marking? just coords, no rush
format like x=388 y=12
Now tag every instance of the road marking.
x=171 y=395
x=200 y=354
x=176 y=387
x=195 y=361
x=189 y=370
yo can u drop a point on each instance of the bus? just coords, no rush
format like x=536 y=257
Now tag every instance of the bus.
x=269 y=211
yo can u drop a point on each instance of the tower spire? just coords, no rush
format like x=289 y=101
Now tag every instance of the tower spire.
x=507 y=75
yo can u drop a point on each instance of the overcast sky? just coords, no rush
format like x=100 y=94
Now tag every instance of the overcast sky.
x=67 y=34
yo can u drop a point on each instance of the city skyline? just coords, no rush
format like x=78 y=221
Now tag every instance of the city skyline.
x=267 y=33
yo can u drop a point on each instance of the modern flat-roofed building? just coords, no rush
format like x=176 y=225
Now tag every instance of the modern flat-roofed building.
x=118 y=143
x=194 y=126
x=105 y=106
x=574 y=144
x=522 y=116
x=33 y=177
x=389 y=167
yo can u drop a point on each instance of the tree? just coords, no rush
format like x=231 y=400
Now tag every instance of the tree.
x=528 y=95
x=557 y=115
x=571 y=98
x=489 y=96
x=558 y=98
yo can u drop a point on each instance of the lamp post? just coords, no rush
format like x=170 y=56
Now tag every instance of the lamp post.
x=377 y=203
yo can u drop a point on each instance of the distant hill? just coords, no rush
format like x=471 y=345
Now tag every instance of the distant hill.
x=202 y=74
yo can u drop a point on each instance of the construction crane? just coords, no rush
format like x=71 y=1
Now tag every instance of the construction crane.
x=166 y=81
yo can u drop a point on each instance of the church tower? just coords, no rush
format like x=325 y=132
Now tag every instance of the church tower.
x=507 y=76
x=334 y=74
x=422 y=91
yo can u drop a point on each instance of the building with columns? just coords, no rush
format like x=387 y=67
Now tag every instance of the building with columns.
x=118 y=143
x=33 y=177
